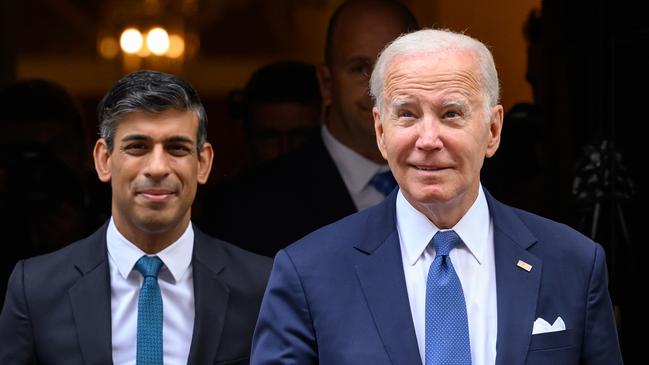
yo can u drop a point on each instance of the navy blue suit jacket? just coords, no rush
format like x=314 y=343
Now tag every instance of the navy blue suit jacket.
x=338 y=296
x=57 y=309
x=287 y=198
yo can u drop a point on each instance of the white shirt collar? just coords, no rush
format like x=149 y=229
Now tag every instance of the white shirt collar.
x=356 y=170
x=416 y=230
x=176 y=257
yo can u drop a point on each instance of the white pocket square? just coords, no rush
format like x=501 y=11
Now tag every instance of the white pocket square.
x=542 y=326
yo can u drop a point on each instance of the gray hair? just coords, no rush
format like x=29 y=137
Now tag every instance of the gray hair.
x=148 y=91
x=433 y=41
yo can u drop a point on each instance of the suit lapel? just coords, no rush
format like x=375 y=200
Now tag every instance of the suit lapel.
x=517 y=288
x=90 y=301
x=210 y=300
x=381 y=278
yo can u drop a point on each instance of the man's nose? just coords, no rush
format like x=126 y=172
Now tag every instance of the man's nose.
x=157 y=165
x=429 y=133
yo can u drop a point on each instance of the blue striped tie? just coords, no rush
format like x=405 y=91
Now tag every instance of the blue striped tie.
x=447 y=329
x=384 y=182
x=149 y=313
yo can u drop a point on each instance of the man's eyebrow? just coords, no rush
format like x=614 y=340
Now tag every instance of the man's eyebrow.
x=135 y=137
x=179 y=139
x=358 y=59
x=401 y=102
x=459 y=103
x=144 y=137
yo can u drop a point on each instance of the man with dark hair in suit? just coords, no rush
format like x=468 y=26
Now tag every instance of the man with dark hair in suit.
x=147 y=287
x=340 y=170
x=440 y=272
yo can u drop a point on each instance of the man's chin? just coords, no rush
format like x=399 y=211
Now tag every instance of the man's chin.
x=156 y=223
x=429 y=196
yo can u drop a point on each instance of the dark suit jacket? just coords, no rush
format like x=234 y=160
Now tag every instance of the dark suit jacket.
x=58 y=311
x=278 y=202
x=339 y=296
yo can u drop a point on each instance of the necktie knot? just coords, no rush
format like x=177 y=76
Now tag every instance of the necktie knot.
x=149 y=266
x=383 y=182
x=445 y=241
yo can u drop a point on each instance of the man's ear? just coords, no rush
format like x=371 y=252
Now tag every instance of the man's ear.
x=101 y=155
x=205 y=158
x=324 y=80
x=495 y=128
x=378 y=130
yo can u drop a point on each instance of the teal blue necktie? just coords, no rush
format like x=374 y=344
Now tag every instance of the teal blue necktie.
x=447 y=329
x=149 y=313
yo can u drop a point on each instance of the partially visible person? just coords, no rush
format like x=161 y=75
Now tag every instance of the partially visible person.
x=281 y=108
x=521 y=173
x=148 y=286
x=45 y=200
x=337 y=172
x=440 y=272
x=43 y=112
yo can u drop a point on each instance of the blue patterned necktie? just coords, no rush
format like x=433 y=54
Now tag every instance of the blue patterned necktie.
x=447 y=329
x=149 y=313
x=383 y=182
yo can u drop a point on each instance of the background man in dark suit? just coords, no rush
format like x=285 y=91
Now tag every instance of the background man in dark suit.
x=439 y=272
x=84 y=304
x=332 y=175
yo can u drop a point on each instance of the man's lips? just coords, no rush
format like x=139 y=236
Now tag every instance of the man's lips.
x=428 y=167
x=156 y=194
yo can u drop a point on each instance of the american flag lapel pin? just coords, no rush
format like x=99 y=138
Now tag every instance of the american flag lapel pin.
x=524 y=265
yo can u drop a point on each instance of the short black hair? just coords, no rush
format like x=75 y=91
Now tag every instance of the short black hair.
x=284 y=81
x=398 y=7
x=34 y=100
x=148 y=91
x=281 y=82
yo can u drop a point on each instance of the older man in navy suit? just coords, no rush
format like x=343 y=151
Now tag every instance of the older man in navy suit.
x=440 y=272
x=148 y=287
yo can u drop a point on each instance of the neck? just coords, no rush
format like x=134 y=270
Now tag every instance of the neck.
x=150 y=239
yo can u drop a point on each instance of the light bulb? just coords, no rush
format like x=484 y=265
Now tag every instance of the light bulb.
x=157 y=41
x=131 y=40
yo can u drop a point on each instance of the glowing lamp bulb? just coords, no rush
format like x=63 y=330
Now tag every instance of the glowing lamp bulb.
x=157 y=41
x=131 y=40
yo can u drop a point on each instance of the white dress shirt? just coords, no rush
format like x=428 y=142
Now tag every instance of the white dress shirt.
x=356 y=171
x=474 y=264
x=176 y=286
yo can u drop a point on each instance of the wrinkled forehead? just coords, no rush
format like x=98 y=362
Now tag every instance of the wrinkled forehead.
x=445 y=69
x=431 y=62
